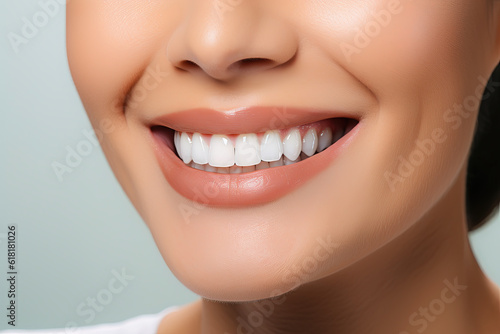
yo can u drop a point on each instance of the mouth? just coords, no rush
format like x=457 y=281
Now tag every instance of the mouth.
x=248 y=152
x=248 y=156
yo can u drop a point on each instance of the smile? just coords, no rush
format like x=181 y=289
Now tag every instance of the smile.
x=249 y=156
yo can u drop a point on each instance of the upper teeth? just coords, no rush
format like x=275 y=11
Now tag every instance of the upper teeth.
x=247 y=150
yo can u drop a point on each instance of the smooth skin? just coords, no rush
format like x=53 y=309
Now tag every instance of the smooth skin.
x=371 y=244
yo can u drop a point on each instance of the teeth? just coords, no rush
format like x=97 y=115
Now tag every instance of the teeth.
x=235 y=169
x=185 y=148
x=196 y=166
x=271 y=147
x=292 y=144
x=310 y=142
x=209 y=168
x=248 y=169
x=247 y=152
x=276 y=163
x=262 y=165
x=200 y=149
x=325 y=139
x=177 y=139
x=223 y=170
x=221 y=152
x=287 y=161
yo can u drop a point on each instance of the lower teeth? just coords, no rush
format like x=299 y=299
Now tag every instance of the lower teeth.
x=239 y=170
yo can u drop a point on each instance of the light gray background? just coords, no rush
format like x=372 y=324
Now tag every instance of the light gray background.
x=73 y=234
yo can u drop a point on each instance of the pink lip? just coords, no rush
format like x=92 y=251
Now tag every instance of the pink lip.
x=246 y=189
x=247 y=120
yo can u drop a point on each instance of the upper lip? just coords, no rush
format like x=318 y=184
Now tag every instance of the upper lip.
x=244 y=120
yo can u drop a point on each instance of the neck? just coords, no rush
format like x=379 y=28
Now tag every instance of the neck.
x=426 y=280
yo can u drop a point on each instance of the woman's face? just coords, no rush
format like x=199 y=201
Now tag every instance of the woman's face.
x=408 y=74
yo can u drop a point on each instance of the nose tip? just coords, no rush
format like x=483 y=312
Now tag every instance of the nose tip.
x=223 y=48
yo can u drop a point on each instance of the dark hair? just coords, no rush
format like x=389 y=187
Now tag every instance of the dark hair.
x=483 y=170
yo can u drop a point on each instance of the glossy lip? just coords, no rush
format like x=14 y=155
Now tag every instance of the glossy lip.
x=245 y=189
x=244 y=120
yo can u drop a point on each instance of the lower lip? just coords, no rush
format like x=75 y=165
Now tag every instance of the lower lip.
x=246 y=189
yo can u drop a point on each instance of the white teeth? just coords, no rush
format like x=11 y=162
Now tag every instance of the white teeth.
x=221 y=151
x=310 y=142
x=292 y=144
x=287 y=161
x=185 y=148
x=220 y=155
x=247 y=152
x=325 y=139
x=177 y=140
x=271 y=147
x=200 y=149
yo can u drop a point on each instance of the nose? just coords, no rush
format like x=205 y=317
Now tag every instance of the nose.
x=226 y=41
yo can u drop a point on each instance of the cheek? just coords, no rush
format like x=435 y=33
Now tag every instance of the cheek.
x=105 y=55
x=423 y=66
x=401 y=44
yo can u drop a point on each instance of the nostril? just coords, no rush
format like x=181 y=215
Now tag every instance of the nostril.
x=227 y=71
x=252 y=63
x=187 y=65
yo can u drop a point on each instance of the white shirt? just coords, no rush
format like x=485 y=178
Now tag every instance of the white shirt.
x=143 y=324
